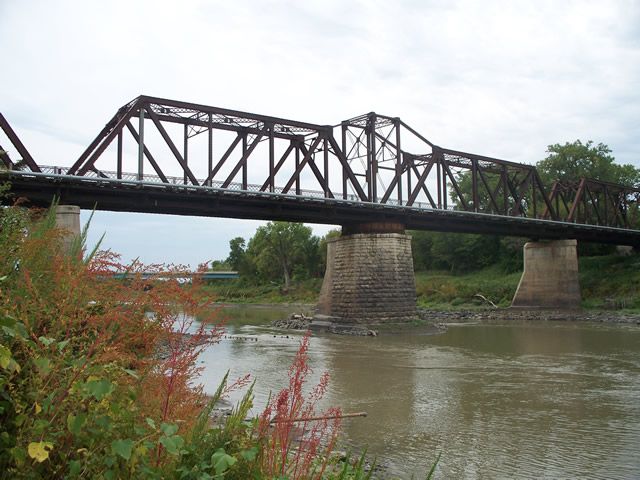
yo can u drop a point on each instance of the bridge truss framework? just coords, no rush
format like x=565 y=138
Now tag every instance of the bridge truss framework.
x=243 y=165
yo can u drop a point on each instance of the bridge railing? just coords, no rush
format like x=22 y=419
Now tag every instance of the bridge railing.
x=214 y=185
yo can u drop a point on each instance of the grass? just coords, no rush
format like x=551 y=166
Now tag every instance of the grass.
x=241 y=291
x=608 y=282
x=446 y=291
x=611 y=282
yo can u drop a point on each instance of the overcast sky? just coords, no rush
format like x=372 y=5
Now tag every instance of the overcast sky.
x=499 y=78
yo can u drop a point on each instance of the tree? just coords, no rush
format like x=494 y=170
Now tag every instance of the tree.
x=571 y=161
x=237 y=254
x=322 y=247
x=278 y=248
x=461 y=252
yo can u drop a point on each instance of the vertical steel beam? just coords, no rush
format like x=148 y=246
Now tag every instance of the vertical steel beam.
x=245 y=168
x=438 y=179
x=141 y=144
x=474 y=184
x=408 y=158
x=185 y=151
x=326 y=166
x=444 y=178
x=210 y=148
x=374 y=158
x=296 y=169
x=344 y=169
x=272 y=160
x=396 y=124
x=119 y=156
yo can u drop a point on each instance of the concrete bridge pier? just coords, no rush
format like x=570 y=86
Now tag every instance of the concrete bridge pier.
x=550 y=277
x=68 y=221
x=369 y=277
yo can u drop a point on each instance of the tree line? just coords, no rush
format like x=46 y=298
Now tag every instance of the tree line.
x=281 y=252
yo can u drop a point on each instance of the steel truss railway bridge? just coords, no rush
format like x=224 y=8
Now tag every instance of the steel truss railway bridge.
x=371 y=168
x=369 y=173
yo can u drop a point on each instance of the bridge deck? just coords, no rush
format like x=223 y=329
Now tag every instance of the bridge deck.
x=178 y=199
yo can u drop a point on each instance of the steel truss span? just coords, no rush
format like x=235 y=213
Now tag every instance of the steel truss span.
x=165 y=156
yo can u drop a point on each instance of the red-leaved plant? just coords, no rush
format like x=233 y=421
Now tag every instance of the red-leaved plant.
x=297 y=441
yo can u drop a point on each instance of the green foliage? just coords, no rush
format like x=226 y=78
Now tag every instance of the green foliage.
x=607 y=282
x=237 y=254
x=444 y=290
x=278 y=252
x=610 y=282
x=574 y=160
x=220 y=266
x=331 y=234
x=84 y=392
x=455 y=252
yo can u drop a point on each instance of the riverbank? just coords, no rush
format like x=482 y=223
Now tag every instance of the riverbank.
x=609 y=283
x=500 y=315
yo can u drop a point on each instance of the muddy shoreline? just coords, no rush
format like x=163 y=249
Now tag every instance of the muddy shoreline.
x=516 y=314
x=435 y=321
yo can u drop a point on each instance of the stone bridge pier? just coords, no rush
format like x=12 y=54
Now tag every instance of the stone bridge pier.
x=369 y=277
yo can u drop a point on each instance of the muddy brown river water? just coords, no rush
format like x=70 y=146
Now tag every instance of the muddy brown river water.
x=526 y=400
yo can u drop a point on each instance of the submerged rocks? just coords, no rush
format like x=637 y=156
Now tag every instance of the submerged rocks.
x=295 y=321
x=299 y=321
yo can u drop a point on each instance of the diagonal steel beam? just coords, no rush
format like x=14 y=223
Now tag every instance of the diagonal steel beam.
x=303 y=162
x=455 y=184
x=347 y=168
x=19 y=146
x=421 y=183
x=223 y=159
x=147 y=154
x=243 y=160
x=314 y=168
x=6 y=159
x=104 y=138
x=278 y=166
x=171 y=146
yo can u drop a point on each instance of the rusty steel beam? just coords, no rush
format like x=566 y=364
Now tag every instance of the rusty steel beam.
x=18 y=145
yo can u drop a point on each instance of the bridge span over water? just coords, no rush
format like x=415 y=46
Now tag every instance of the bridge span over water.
x=369 y=169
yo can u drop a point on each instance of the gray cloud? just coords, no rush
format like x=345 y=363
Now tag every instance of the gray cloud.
x=499 y=78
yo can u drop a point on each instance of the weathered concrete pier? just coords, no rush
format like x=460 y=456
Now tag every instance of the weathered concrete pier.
x=550 y=277
x=68 y=221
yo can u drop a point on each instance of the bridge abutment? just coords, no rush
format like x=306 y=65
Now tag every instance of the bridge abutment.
x=68 y=221
x=550 y=276
x=369 y=276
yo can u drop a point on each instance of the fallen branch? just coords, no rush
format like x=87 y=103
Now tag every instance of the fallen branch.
x=486 y=300
x=311 y=419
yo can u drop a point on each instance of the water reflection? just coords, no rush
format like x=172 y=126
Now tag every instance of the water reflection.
x=515 y=401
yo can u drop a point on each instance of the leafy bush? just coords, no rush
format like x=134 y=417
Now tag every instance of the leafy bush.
x=96 y=374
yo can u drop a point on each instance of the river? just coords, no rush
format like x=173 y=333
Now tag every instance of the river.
x=526 y=400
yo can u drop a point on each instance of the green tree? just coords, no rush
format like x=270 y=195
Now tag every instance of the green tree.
x=237 y=254
x=279 y=248
x=571 y=161
x=322 y=247
x=461 y=252
x=421 y=243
